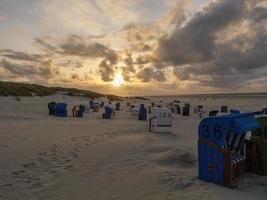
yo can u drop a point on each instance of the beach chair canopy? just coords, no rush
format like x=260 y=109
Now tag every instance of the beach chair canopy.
x=217 y=129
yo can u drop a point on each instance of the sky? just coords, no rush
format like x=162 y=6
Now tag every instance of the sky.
x=136 y=47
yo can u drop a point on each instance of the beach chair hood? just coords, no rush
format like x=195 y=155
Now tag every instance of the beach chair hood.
x=216 y=129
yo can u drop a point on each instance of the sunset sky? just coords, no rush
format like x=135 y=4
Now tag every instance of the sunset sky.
x=150 y=47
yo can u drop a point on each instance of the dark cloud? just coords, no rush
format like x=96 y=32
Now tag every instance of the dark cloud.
x=140 y=47
x=44 y=71
x=129 y=62
x=195 y=42
x=75 y=76
x=17 y=55
x=259 y=14
x=106 y=70
x=72 y=64
x=140 y=32
x=150 y=73
x=197 y=55
x=144 y=59
x=47 y=44
x=75 y=45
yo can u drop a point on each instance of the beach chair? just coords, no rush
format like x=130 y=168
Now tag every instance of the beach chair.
x=108 y=113
x=200 y=108
x=149 y=109
x=91 y=103
x=61 y=110
x=177 y=109
x=213 y=113
x=132 y=106
x=222 y=153
x=264 y=111
x=257 y=148
x=224 y=109
x=134 y=111
x=80 y=111
x=118 y=105
x=142 y=115
x=51 y=108
x=161 y=120
x=95 y=107
x=186 y=111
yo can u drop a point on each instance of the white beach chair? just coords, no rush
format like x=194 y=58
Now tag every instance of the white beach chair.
x=160 y=120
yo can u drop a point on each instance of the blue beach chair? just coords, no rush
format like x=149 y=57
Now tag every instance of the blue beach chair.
x=222 y=155
x=61 y=110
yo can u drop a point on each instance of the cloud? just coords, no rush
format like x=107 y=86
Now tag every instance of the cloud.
x=140 y=32
x=43 y=71
x=202 y=53
x=106 y=70
x=72 y=64
x=87 y=17
x=75 y=45
x=195 y=41
x=129 y=62
x=17 y=55
x=176 y=15
x=149 y=73
x=259 y=14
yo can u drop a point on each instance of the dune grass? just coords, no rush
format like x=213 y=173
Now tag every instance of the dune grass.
x=25 y=89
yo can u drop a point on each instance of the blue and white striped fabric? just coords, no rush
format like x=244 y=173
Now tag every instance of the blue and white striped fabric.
x=235 y=142
x=237 y=158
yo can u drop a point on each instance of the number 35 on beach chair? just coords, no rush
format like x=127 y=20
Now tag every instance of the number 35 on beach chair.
x=221 y=147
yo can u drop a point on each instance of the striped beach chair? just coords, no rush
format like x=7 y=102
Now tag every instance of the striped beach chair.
x=222 y=154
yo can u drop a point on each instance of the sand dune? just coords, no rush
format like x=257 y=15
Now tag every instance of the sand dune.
x=44 y=157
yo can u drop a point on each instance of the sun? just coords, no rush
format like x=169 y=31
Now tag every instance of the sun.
x=118 y=80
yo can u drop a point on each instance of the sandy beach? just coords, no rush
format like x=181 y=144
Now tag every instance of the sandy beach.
x=45 y=157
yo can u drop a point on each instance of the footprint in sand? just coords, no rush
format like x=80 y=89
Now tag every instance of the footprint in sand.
x=28 y=165
x=7 y=185
x=47 y=164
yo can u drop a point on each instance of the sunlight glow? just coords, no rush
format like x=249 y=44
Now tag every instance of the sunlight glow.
x=118 y=80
